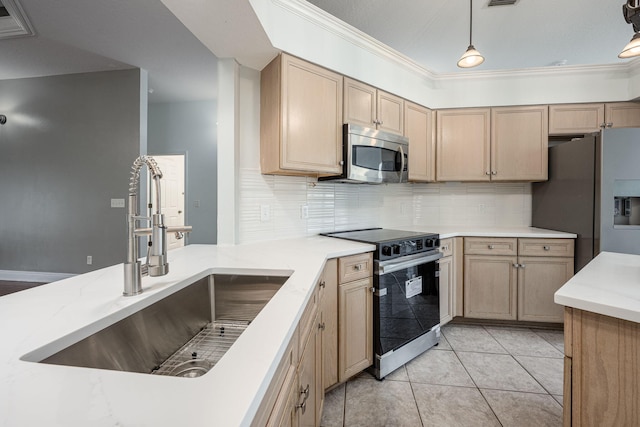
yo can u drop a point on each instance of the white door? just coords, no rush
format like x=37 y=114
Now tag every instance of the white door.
x=172 y=188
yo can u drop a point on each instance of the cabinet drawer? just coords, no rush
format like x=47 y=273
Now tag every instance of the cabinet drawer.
x=446 y=247
x=355 y=267
x=545 y=247
x=490 y=246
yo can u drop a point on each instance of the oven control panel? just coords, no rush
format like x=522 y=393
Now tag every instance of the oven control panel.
x=395 y=249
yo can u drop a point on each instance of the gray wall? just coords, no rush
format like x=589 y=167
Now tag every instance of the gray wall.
x=65 y=151
x=190 y=128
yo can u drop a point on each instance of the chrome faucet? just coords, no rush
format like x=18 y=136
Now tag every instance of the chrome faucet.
x=156 y=264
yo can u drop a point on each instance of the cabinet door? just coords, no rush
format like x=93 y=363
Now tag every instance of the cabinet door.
x=538 y=279
x=519 y=143
x=355 y=301
x=329 y=309
x=446 y=289
x=622 y=114
x=390 y=113
x=359 y=103
x=490 y=287
x=311 y=117
x=463 y=144
x=308 y=405
x=575 y=118
x=418 y=127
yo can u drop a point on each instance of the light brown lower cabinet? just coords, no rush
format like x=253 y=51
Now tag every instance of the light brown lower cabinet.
x=602 y=371
x=515 y=279
x=332 y=342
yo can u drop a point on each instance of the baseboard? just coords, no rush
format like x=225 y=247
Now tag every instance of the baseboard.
x=33 y=276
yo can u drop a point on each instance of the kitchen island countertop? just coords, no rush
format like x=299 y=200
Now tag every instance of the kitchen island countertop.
x=608 y=285
x=228 y=395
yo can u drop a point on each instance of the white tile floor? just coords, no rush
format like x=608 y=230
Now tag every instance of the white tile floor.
x=477 y=376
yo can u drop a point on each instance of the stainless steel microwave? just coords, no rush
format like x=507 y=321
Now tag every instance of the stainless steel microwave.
x=372 y=156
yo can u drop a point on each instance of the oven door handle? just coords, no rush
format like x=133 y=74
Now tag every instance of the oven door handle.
x=384 y=267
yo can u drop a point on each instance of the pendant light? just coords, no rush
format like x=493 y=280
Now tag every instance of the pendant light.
x=471 y=58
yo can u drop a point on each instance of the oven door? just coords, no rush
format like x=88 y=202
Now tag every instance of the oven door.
x=406 y=301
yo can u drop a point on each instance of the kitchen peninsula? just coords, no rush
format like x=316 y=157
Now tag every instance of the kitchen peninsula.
x=602 y=342
x=229 y=394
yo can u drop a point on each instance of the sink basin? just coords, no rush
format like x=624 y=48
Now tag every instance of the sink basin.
x=184 y=334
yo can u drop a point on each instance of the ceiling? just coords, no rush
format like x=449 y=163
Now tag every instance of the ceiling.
x=529 y=34
x=75 y=36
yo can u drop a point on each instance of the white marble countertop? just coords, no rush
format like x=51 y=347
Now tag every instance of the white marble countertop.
x=608 y=285
x=228 y=395
x=481 y=231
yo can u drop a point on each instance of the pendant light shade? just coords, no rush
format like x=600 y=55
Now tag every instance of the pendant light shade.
x=632 y=48
x=471 y=58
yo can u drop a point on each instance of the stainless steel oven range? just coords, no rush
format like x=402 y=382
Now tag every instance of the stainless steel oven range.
x=406 y=307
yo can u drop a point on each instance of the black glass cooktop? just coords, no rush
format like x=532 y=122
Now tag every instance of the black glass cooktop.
x=377 y=235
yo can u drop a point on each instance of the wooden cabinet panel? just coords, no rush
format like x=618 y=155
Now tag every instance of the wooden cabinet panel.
x=605 y=368
x=329 y=319
x=519 y=142
x=538 y=279
x=369 y=107
x=300 y=118
x=390 y=113
x=490 y=287
x=575 y=118
x=355 y=301
x=309 y=399
x=463 y=144
x=446 y=289
x=545 y=247
x=622 y=114
x=355 y=267
x=491 y=246
x=418 y=127
x=359 y=103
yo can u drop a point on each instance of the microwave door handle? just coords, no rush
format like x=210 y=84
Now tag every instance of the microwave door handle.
x=401 y=163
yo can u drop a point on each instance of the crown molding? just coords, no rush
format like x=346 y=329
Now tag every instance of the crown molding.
x=335 y=26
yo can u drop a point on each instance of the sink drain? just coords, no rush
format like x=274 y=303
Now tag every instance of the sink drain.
x=191 y=368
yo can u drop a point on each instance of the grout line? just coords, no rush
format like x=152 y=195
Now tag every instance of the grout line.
x=415 y=400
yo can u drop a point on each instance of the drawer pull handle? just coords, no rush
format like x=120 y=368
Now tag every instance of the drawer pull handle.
x=357 y=267
x=322 y=284
x=522 y=265
x=546 y=248
x=516 y=265
x=490 y=246
x=321 y=326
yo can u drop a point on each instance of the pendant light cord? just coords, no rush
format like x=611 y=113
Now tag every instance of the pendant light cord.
x=470 y=21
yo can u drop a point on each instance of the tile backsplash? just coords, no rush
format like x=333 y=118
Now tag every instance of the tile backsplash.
x=277 y=207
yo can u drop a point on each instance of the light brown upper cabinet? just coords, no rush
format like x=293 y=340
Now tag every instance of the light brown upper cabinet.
x=418 y=127
x=519 y=142
x=622 y=114
x=463 y=144
x=369 y=107
x=575 y=118
x=492 y=144
x=585 y=118
x=300 y=118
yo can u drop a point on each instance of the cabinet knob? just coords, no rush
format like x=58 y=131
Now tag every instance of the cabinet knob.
x=490 y=246
x=546 y=248
x=372 y=289
x=516 y=265
x=494 y=173
x=610 y=124
x=322 y=284
x=341 y=162
x=522 y=265
x=487 y=173
x=321 y=326
x=357 y=267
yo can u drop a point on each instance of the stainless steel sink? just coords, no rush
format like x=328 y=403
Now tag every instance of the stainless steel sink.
x=183 y=334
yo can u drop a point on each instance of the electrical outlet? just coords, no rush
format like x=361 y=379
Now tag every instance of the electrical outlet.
x=265 y=213
x=304 y=211
x=89 y=260
x=117 y=203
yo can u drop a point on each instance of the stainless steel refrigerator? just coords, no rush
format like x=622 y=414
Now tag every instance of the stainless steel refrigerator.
x=593 y=191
